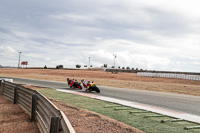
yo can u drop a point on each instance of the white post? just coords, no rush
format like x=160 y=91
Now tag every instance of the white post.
x=89 y=63
x=19 y=59
x=115 y=56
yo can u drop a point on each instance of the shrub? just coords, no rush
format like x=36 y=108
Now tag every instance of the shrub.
x=59 y=67
x=78 y=66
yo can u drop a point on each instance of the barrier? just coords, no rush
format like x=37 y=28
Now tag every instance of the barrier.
x=169 y=75
x=48 y=117
x=7 y=79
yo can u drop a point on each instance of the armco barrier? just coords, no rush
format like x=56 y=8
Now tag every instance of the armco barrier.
x=169 y=75
x=48 y=117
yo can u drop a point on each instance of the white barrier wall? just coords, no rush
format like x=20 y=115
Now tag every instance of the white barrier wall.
x=6 y=79
x=169 y=75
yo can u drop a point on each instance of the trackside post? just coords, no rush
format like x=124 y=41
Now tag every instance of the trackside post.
x=54 y=125
x=33 y=108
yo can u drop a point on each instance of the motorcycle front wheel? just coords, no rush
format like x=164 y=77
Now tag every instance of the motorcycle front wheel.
x=97 y=90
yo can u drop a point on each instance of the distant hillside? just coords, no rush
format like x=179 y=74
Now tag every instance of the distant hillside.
x=1 y=66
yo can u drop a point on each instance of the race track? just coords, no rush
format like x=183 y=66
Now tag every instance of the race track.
x=182 y=103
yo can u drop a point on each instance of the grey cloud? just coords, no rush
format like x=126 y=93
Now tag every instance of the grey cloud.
x=96 y=22
x=3 y=30
x=167 y=22
x=185 y=64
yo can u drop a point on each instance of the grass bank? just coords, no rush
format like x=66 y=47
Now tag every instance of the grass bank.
x=137 y=120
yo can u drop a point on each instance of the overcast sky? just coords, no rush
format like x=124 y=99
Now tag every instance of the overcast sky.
x=147 y=34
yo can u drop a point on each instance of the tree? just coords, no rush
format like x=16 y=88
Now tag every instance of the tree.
x=132 y=68
x=59 y=67
x=119 y=67
x=45 y=67
x=78 y=66
x=85 y=66
x=123 y=67
x=90 y=65
x=113 y=67
x=127 y=67
x=105 y=65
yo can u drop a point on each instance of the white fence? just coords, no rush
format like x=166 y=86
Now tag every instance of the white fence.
x=169 y=75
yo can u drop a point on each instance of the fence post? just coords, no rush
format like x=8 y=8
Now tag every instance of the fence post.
x=2 y=86
x=54 y=125
x=15 y=96
x=33 y=108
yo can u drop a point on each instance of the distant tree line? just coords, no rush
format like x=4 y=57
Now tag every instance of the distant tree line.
x=105 y=66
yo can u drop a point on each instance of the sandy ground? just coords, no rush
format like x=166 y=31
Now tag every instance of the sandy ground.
x=123 y=80
x=14 y=119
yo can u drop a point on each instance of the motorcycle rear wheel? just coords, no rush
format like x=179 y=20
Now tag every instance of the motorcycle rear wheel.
x=79 y=87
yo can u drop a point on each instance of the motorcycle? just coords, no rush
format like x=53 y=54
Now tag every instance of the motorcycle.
x=93 y=87
x=75 y=84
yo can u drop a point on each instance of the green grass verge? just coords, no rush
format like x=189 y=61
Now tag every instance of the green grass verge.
x=149 y=125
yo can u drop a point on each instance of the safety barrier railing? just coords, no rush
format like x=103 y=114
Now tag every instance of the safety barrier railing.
x=169 y=75
x=48 y=117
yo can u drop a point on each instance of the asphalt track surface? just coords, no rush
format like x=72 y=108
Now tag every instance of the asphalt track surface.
x=177 y=102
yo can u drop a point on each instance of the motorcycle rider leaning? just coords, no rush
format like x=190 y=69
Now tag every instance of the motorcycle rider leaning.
x=69 y=81
x=86 y=84
x=72 y=84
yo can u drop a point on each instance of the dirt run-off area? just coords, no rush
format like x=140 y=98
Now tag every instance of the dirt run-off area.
x=84 y=121
x=122 y=80
x=14 y=119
